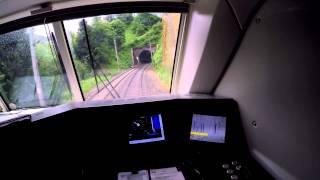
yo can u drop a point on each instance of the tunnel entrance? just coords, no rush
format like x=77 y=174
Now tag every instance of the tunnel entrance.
x=145 y=57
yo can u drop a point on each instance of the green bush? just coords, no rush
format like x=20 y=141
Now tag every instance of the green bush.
x=83 y=70
x=152 y=35
x=125 y=58
x=47 y=66
x=143 y=22
x=163 y=72
x=157 y=56
x=88 y=84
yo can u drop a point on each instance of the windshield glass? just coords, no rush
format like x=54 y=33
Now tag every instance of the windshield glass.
x=124 y=55
x=113 y=56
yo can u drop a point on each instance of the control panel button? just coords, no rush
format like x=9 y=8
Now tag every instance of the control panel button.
x=230 y=171
x=225 y=166
x=234 y=177
x=238 y=167
x=234 y=163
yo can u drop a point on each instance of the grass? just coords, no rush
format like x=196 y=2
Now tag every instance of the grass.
x=66 y=96
x=88 y=84
x=165 y=75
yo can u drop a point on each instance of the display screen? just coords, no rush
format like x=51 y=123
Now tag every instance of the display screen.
x=146 y=129
x=208 y=128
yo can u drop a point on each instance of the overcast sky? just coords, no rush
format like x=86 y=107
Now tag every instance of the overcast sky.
x=70 y=25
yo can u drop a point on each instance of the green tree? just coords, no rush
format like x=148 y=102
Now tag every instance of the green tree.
x=101 y=41
x=151 y=36
x=14 y=59
x=143 y=22
x=80 y=45
x=46 y=60
x=118 y=30
x=126 y=18
x=127 y=30
x=82 y=68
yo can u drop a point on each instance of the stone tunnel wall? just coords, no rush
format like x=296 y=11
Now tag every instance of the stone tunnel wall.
x=171 y=23
x=137 y=51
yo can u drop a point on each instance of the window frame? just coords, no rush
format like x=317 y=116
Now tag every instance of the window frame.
x=58 y=16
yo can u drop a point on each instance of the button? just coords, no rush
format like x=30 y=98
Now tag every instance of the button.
x=234 y=177
x=238 y=167
x=234 y=163
x=225 y=166
x=230 y=171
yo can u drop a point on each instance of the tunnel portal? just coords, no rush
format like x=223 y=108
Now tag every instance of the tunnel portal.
x=143 y=55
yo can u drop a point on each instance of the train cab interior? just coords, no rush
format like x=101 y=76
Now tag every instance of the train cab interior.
x=159 y=90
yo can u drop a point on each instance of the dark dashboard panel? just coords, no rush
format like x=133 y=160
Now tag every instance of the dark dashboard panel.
x=94 y=141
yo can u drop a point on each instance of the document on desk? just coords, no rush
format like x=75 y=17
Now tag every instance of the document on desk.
x=171 y=176
x=171 y=173
x=141 y=175
x=166 y=174
x=163 y=170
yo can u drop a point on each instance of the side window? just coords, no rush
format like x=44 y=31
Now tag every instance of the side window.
x=30 y=73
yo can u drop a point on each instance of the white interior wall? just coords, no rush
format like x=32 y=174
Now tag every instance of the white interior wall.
x=196 y=36
x=275 y=78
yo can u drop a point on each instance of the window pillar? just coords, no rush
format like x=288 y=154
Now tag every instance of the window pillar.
x=67 y=62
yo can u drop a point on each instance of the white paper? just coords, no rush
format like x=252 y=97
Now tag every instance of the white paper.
x=163 y=170
x=141 y=175
x=124 y=175
x=169 y=176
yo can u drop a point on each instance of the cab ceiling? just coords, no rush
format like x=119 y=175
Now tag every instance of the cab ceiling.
x=14 y=9
x=8 y=7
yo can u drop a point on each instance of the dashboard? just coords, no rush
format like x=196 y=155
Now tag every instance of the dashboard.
x=99 y=139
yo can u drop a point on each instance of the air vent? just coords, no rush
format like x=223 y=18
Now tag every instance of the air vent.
x=45 y=7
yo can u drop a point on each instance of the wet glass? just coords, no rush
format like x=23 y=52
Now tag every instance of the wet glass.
x=31 y=74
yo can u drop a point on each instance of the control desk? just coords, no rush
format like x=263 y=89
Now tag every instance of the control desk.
x=202 y=137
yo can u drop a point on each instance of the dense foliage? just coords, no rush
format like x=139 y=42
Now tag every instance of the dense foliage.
x=107 y=35
x=122 y=32
x=47 y=65
x=14 y=59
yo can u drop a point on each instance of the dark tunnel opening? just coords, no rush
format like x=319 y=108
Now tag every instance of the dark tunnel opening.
x=145 y=57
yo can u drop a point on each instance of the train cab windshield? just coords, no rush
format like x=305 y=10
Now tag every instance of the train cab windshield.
x=109 y=56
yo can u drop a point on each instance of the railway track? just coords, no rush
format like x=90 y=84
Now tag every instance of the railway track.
x=132 y=78
x=120 y=76
x=134 y=70
x=125 y=80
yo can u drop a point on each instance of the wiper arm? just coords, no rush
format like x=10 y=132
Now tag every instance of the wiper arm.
x=109 y=82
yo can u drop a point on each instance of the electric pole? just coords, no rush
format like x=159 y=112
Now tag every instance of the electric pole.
x=116 y=50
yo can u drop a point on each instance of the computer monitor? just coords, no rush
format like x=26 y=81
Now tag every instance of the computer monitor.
x=208 y=128
x=146 y=129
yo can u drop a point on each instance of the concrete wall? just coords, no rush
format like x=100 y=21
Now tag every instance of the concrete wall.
x=170 y=30
x=275 y=78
